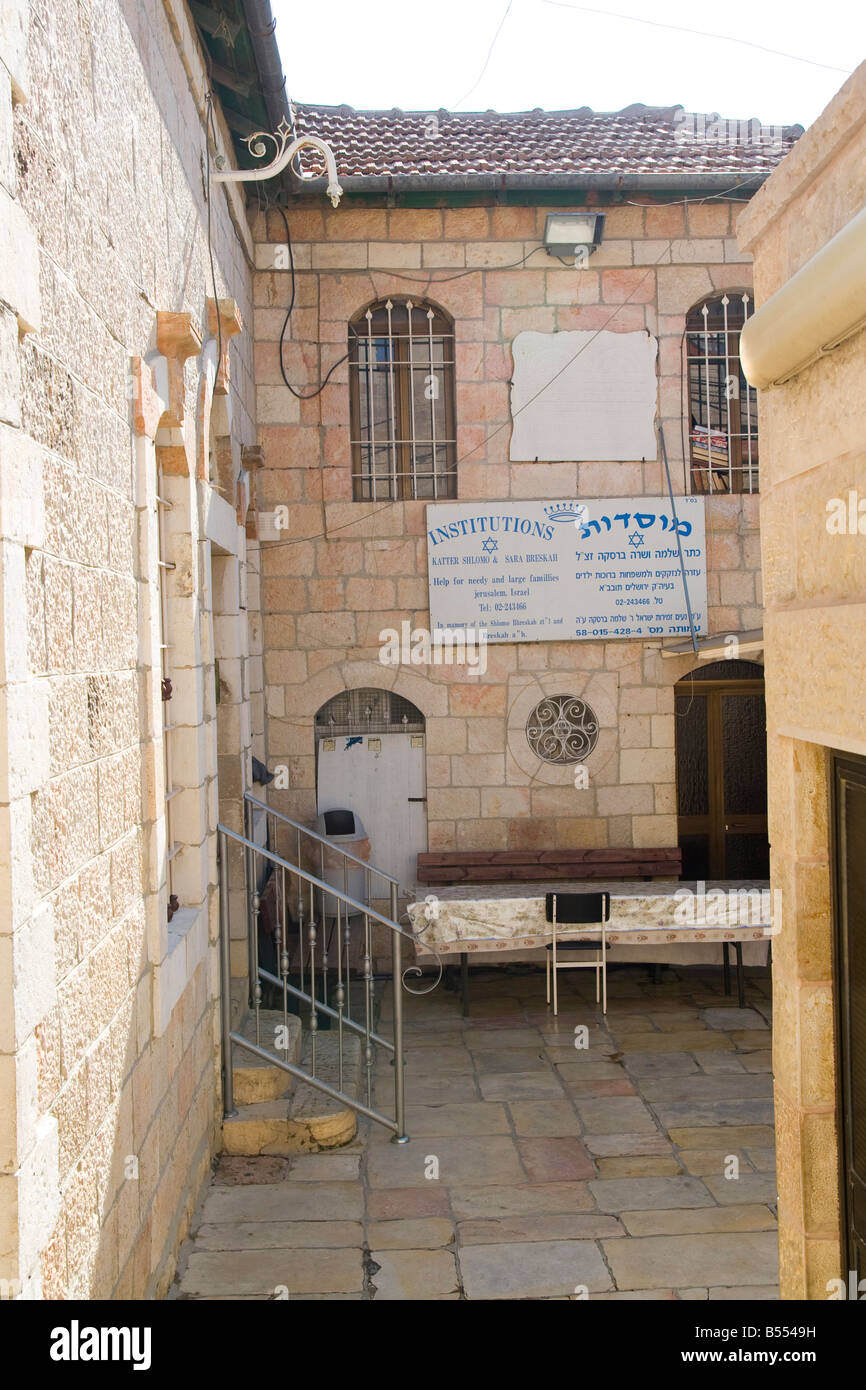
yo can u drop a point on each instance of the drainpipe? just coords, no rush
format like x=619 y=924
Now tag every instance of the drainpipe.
x=815 y=311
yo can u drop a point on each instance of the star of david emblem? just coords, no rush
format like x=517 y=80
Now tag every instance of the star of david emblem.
x=635 y=539
x=490 y=545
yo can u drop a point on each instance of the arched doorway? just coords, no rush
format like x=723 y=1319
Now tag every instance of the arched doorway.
x=721 y=749
x=370 y=758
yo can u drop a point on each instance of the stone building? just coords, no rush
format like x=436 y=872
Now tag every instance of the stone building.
x=806 y=229
x=197 y=565
x=127 y=405
x=444 y=219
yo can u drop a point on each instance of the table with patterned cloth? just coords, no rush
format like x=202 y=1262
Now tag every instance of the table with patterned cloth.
x=670 y=922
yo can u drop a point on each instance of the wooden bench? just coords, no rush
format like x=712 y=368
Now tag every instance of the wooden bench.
x=546 y=865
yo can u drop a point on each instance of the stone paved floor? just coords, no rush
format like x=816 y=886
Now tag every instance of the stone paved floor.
x=563 y=1171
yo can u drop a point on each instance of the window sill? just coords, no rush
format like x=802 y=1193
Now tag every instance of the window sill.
x=185 y=947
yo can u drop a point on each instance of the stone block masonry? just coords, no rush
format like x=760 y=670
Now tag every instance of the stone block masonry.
x=345 y=570
x=108 y=1068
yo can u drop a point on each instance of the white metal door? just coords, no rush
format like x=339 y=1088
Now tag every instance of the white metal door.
x=382 y=778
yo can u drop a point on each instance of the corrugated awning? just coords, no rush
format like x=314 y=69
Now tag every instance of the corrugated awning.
x=719 y=645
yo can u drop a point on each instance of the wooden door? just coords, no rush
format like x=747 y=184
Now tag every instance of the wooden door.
x=849 y=871
x=722 y=778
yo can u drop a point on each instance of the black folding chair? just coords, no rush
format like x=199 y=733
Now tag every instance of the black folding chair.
x=578 y=909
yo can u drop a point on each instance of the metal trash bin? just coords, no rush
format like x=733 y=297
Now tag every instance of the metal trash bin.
x=345 y=829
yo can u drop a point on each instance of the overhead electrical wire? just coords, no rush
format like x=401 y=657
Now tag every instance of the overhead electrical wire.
x=700 y=33
x=477 y=81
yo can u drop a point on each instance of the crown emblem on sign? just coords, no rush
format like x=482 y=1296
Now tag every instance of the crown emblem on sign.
x=566 y=511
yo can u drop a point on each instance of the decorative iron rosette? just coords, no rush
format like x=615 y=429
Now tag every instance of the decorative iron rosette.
x=562 y=729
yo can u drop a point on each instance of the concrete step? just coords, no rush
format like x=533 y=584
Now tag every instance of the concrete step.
x=255 y=1079
x=306 y=1120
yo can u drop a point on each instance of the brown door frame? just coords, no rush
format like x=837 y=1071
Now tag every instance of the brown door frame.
x=715 y=824
x=840 y=764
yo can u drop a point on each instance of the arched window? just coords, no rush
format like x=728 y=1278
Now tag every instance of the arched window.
x=723 y=409
x=401 y=374
x=368 y=711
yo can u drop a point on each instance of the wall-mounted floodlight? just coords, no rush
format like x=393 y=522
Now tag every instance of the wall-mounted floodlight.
x=573 y=235
x=286 y=151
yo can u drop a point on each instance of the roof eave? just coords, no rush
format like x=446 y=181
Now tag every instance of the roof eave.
x=602 y=181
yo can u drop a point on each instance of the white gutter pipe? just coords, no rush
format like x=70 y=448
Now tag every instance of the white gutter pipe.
x=815 y=311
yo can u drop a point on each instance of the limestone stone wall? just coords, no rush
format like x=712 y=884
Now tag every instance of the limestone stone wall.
x=813 y=430
x=344 y=570
x=108 y=1060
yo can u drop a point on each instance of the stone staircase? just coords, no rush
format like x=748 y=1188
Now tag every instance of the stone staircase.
x=279 y=1114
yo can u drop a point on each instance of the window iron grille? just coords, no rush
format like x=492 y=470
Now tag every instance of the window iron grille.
x=723 y=408
x=401 y=375
x=562 y=729
x=368 y=712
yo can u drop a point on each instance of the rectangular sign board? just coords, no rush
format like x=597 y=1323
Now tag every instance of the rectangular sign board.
x=573 y=570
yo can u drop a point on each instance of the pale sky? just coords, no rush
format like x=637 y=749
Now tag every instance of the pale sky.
x=426 y=54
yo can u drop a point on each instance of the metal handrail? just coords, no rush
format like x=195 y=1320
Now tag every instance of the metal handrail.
x=347 y=906
x=323 y=839
x=358 y=907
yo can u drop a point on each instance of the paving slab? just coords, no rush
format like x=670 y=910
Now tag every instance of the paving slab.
x=758 y=1061
x=732 y=1018
x=520 y=1085
x=533 y=1269
x=589 y=1069
x=637 y=1296
x=438 y=1061
x=325 y=1201
x=592 y=1090
x=734 y=1260
x=396 y=1203
x=711 y=1162
x=615 y=1115
x=280 y=1235
x=638 y=1166
x=520 y=1200
x=748 y=1187
x=538 y=1118
x=681 y=1221
x=746 y=1295
x=255 y=1168
x=477 y=1159
x=660 y=1063
x=711 y=1113
x=683 y=1021
x=551 y=1159
x=327 y=1167
x=478 y=1117
x=512 y=1059
x=713 y=1062
x=641 y=1194
x=438 y=1090
x=613 y=1145
x=716 y=1136
x=723 y=1086
x=501 y=1039
x=250 y=1272
x=764 y=1159
x=708 y=1040
x=422 y=1233
x=538 y=1226
x=405 y=1275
